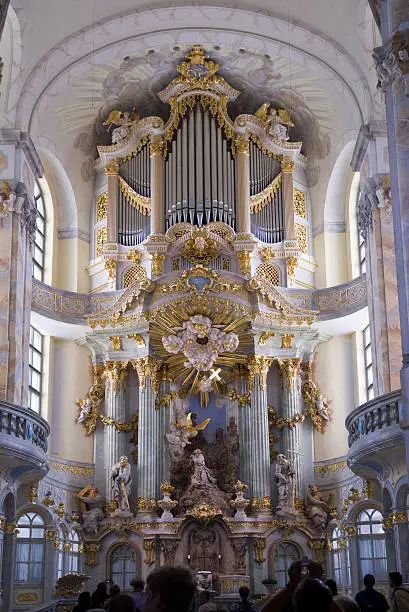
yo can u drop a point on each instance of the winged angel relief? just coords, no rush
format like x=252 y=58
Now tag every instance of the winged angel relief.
x=182 y=430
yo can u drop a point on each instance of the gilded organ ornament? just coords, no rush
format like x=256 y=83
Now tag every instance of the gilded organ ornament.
x=200 y=249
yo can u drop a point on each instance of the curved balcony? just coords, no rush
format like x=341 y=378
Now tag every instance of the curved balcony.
x=375 y=439
x=23 y=442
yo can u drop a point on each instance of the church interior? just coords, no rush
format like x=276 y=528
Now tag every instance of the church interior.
x=204 y=293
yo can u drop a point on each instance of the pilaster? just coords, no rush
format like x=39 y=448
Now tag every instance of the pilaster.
x=156 y=151
x=243 y=184
x=287 y=170
x=112 y=171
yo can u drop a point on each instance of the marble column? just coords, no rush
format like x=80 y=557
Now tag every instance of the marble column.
x=258 y=448
x=112 y=171
x=115 y=443
x=243 y=185
x=292 y=439
x=242 y=416
x=156 y=150
x=287 y=186
x=392 y=65
x=21 y=167
x=150 y=448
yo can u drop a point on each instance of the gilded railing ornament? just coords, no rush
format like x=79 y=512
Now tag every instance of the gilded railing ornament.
x=260 y=504
x=200 y=248
x=135 y=256
x=289 y=369
x=157 y=263
x=204 y=513
x=146 y=505
x=258 y=365
x=292 y=263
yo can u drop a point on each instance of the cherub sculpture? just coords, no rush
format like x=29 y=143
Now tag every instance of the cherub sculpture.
x=123 y=121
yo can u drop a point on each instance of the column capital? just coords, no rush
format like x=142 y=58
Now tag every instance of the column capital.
x=289 y=370
x=157 y=148
x=242 y=144
x=112 y=168
x=115 y=372
x=375 y=194
x=392 y=59
x=258 y=365
x=148 y=367
x=287 y=165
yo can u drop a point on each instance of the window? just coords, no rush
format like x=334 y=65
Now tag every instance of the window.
x=35 y=369
x=285 y=554
x=60 y=554
x=123 y=567
x=368 y=364
x=39 y=240
x=73 y=552
x=361 y=246
x=29 y=565
x=371 y=544
x=336 y=556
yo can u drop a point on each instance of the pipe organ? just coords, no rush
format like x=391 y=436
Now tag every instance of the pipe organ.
x=134 y=190
x=199 y=172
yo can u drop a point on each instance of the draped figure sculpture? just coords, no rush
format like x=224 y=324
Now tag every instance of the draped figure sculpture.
x=121 y=484
x=284 y=479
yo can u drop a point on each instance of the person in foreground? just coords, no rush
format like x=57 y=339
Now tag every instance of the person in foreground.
x=122 y=603
x=205 y=604
x=370 y=600
x=399 y=595
x=84 y=602
x=138 y=594
x=169 y=589
x=99 y=596
x=244 y=605
x=347 y=604
x=311 y=595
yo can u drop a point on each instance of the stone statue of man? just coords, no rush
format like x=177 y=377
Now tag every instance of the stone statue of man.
x=121 y=483
x=284 y=476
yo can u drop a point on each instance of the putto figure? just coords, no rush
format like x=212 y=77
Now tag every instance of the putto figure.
x=121 y=484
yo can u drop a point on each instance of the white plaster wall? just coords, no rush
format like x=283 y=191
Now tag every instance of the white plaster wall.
x=331 y=255
x=71 y=379
x=335 y=377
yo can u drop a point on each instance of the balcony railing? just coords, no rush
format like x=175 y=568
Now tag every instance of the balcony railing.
x=24 y=428
x=378 y=414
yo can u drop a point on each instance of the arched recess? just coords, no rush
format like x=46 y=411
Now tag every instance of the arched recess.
x=123 y=563
x=282 y=554
x=10 y=53
x=69 y=244
x=330 y=245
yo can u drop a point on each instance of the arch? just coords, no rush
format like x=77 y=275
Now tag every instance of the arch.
x=43 y=511
x=402 y=494
x=8 y=504
x=282 y=554
x=123 y=562
x=10 y=52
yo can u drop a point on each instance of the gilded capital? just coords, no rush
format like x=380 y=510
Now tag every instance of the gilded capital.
x=115 y=373
x=157 y=147
x=157 y=263
x=287 y=165
x=241 y=145
x=112 y=168
x=244 y=258
x=258 y=365
x=289 y=369
x=148 y=367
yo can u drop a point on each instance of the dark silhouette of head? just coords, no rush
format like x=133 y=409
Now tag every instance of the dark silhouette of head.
x=204 y=596
x=395 y=579
x=312 y=595
x=169 y=589
x=137 y=585
x=244 y=593
x=332 y=585
x=84 y=598
x=114 y=590
x=122 y=603
x=369 y=581
x=102 y=588
x=298 y=568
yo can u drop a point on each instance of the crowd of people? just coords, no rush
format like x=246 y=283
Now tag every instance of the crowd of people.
x=174 y=589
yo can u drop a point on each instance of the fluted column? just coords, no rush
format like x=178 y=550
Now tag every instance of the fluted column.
x=112 y=171
x=156 y=150
x=258 y=448
x=243 y=185
x=292 y=440
x=149 y=447
x=114 y=441
x=287 y=170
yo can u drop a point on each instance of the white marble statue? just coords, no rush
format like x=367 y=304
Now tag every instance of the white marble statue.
x=93 y=515
x=202 y=475
x=182 y=429
x=322 y=405
x=276 y=127
x=284 y=478
x=121 y=484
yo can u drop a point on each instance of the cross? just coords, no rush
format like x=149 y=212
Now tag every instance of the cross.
x=215 y=373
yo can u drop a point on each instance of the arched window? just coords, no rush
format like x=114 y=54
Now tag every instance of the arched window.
x=29 y=565
x=60 y=553
x=123 y=565
x=73 y=559
x=371 y=544
x=284 y=555
x=368 y=363
x=35 y=370
x=39 y=240
x=336 y=555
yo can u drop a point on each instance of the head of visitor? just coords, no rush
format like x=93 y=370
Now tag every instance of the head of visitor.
x=114 y=590
x=137 y=585
x=395 y=579
x=122 y=603
x=369 y=581
x=312 y=595
x=306 y=568
x=332 y=585
x=244 y=593
x=84 y=599
x=169 y=589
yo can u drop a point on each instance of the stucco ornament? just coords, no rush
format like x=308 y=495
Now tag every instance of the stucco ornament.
x=200 y=342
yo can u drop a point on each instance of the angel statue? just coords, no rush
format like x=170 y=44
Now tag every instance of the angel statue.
x=123 y=120
x=277 y=121
x=91 y=506
x=317 y=508
x=182 y=430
